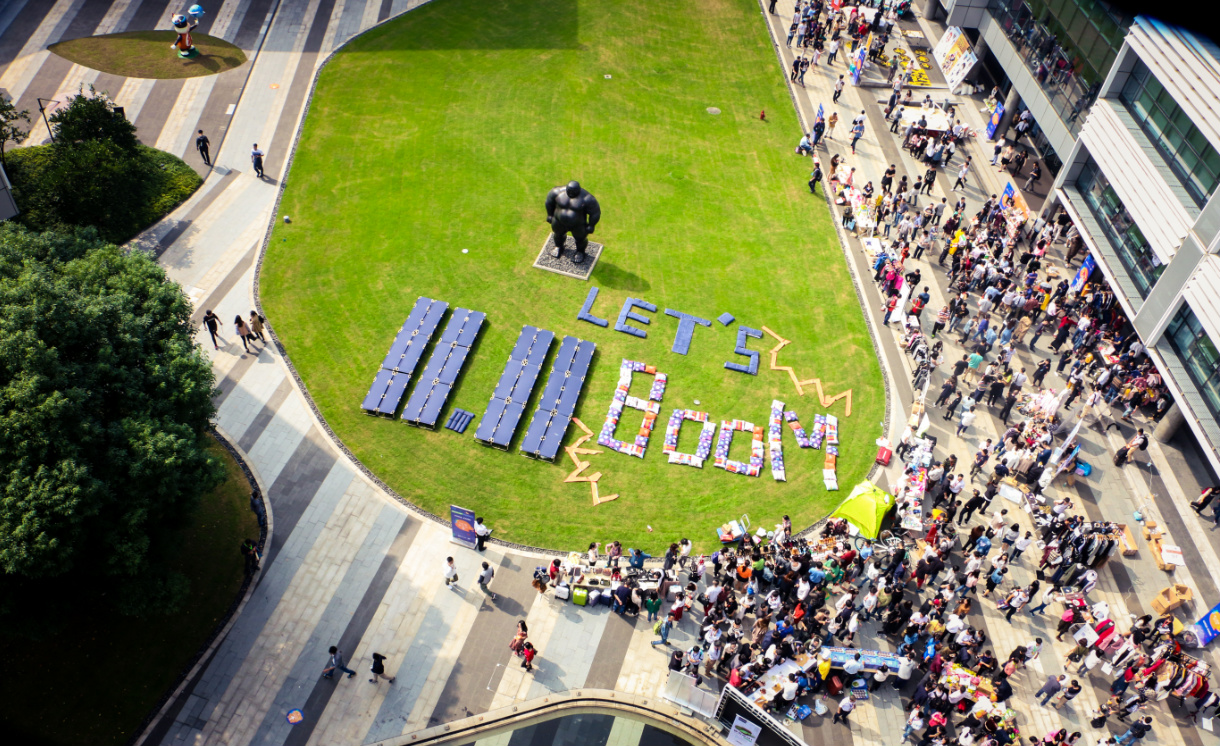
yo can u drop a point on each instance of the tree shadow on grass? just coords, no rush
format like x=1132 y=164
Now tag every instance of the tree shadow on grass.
x=482 y=24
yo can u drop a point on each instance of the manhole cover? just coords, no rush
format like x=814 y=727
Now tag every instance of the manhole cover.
x=713 y=110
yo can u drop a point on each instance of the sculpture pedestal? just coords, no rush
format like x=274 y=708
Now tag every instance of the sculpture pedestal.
x=564 y=264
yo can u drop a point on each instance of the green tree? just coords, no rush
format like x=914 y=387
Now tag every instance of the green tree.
x=10 y=130
x=91 y=118
x=104 y=403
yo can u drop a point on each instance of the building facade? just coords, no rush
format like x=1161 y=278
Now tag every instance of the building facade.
x=1128 y=115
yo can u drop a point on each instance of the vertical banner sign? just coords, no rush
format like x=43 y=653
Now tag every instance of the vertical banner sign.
x=819 y=118
x=856 y=65
x=954 y=55
x=1086 y=268
x=993 y=124
x=1208 y=628
x=463 y=526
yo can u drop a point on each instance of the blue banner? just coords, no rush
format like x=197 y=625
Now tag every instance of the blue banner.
x=1205 y=630
x=463 y=525
x=994 y=123
x=819 y=118
x=1082 y=276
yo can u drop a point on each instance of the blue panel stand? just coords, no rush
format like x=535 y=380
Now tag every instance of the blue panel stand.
x=584 y=314
x=726 y=318
x=516 y=383
x=424 y=407
x=743 y=332
x=627 y=314
x=550 y=422
x=404 y=355
x=686 y=329
x=459 y=420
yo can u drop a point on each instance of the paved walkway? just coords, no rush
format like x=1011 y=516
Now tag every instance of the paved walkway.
x=348 y=564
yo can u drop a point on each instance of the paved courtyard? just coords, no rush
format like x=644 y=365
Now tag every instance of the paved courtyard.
x=348 y=564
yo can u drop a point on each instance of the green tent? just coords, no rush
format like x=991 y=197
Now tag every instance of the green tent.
x=865 y=508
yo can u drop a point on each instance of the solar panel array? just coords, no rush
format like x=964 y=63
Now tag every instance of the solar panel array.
x=558 y=401
x=423 y=408
x=399 y=364
x=516 y=383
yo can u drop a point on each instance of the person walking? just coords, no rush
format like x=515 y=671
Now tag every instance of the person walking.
x=857 y=131
x=451 y=574
x=846 y=705
x=212 y=322
x=1050 y=688
x=962 y=173
x=485 y=579
x=663 y=629
x=528 y=653
x=378 y=669
x=1034 y=176
x=838 y=83
x=201 y=144
x=1136 y=732
x=256 y=326
x=831 y=121
x=243 y=331
x=256 y=158
x=830 y=60
x=336 y=663
x=517 y=644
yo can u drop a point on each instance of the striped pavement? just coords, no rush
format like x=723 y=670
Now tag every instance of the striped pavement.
x=348 y=564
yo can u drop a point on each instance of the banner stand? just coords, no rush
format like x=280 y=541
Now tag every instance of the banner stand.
x=462 y=521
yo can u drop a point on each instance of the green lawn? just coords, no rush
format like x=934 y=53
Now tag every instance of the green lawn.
x=443 y=131
x=147 y=54
x=95 y=681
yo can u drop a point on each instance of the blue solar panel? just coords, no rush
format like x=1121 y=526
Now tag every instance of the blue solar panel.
x=436 y=402
x=542 y=344
x=393 y=394
x=380 y=383
x=491 y=420
x=524 y=340
x=525 y=383
x=508 y=379
x=553 y=439
x=415 y=404
x=508 y=423
x=453 y=365
x=470 y=330
x=558 y=399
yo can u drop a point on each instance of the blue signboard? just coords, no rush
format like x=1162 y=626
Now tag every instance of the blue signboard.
x=463 y=526
x=1082 y=276
x=1206 y=629
x=994 y=123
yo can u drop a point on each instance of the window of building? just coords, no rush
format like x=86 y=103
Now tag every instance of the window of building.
x=1125 y=236
x=1184 y=148
x=1199 y=355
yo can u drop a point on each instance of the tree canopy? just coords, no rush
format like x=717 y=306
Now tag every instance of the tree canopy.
x=96 y=174
x=104 y=402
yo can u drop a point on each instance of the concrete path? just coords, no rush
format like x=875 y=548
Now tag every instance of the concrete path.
x=348 y=564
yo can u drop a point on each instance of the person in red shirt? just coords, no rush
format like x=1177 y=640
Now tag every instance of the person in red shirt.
x=527 y=656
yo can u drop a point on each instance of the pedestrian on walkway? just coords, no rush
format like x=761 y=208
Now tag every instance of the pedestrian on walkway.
x=846 y=705
x=1050 y=688
x=771 y=8
x=517 y=644
x=212 y=322
x=1034 y=176
x=451 y=574
x=968 y=418
x=830 y=126
x=830 y=60
x=528 y=653
x=201 y=144
x=378 y=669
x=929 y=178
x=1136 y=732
x=336 y=663
x=243 y=331
x=485 y=579
x=962 y=173
x=857 y=131
x=839 y=83
x=663 y=629
x=256 y=325
x=256 y=157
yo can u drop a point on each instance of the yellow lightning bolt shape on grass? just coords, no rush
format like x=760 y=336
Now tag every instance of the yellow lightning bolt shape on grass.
x=800 y=385
x=574 y=452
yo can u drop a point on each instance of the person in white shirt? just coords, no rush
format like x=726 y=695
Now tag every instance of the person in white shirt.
x=451 y=574
x=481 y=533
x=1020 y=545
x=853 y=666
